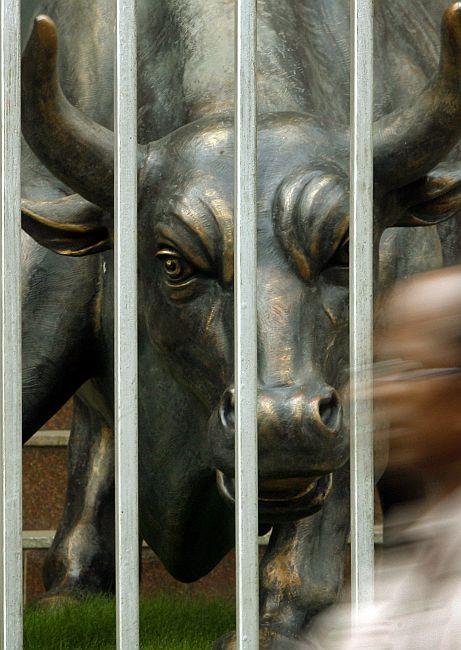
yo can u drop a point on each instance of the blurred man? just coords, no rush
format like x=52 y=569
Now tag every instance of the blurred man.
x=418 y=393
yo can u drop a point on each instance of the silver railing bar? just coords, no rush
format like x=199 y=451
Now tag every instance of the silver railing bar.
x=361 y=304
x=246 y=436
x=126 y=329
x=10 y=325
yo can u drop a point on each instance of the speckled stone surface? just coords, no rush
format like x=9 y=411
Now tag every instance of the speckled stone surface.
x=32 y=566
x=44 y=486
x=44 y=478
x=62 y=419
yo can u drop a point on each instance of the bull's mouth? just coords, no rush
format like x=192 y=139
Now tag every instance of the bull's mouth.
x=282 y=500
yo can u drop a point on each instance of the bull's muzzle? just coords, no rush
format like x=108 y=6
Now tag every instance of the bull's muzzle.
x=301 y=441
x=289 y=407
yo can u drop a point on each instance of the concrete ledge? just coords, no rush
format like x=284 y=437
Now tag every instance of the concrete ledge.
x=42 y=539
x=49 y=439
x=38 y=539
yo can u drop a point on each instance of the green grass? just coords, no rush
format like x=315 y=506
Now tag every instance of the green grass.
x=166 y=622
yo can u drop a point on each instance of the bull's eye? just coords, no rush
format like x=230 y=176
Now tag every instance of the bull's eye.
x=341 y=255
x=175 y=267
x=336 y=269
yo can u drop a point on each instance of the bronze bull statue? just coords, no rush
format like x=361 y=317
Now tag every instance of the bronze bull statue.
x=186 y=143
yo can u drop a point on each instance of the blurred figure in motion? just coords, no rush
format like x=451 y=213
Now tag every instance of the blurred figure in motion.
x=418 y=396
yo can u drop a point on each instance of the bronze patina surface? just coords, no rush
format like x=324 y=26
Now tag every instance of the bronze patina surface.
x=185 y=99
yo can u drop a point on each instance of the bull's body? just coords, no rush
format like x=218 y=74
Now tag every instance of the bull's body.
x=185 y=59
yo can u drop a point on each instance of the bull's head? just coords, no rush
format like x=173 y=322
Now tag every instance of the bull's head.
x=186 y=252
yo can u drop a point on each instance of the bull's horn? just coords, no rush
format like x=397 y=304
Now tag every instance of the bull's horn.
x=76 y=149
x=410 y=142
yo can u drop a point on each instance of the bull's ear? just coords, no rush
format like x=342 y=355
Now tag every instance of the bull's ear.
x=68 y=226
x=431 y=199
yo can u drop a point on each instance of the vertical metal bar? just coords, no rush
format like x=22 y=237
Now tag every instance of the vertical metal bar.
x=246 y=435
x=126 y=329
x=10 y=327
x=361 y=304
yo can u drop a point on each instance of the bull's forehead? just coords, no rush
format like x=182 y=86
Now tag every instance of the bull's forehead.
x=298 y=200
x=208 y=145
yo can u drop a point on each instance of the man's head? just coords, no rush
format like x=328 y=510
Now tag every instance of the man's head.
x=418 y=387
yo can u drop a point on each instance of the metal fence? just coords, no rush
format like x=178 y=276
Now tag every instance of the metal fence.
x=10 y=325
x=125 y=317
x=361 y=303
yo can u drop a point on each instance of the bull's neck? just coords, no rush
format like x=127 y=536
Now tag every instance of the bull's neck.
x=187 y=56
x=199 y=36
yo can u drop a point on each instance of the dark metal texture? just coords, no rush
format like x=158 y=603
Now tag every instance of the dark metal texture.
x=185 y=245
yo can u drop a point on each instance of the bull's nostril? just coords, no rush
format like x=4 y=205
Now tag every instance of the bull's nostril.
x=227 y=409
x=330 y=412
